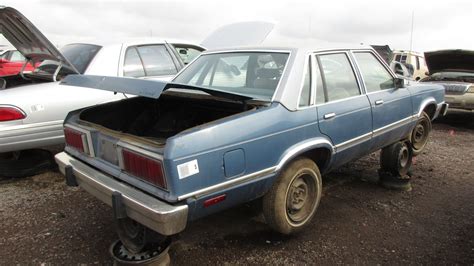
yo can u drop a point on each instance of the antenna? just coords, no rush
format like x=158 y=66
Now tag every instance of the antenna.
x=411 y=34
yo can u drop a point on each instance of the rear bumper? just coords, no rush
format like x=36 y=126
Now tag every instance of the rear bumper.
x=157 y=215
x=15 y=137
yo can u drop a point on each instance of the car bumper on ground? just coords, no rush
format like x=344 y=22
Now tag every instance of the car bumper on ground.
x=465 y=101
x=157 y=215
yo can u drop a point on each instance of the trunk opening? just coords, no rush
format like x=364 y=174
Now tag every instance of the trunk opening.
x=159 y=119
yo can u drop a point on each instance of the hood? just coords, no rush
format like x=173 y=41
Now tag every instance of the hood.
x=250 y=33
x=27 y=39
x=450 y=60
x=141 y=87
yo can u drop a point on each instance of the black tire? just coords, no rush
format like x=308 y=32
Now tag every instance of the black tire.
x=396 y=158
x=293 y=199
x=420 y=134
x=25 y=163
x=135 y=236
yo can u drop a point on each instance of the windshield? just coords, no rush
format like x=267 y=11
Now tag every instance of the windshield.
x=253 y=74
x=79 y=55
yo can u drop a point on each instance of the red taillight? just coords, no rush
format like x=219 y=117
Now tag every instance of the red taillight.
x=74 y=139
x=10 y=113
x=143 y=167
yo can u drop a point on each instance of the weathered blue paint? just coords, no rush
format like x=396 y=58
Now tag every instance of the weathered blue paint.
x=242 y=155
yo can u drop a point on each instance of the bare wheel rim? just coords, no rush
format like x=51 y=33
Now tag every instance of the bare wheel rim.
x=420 y=134
x=404 y=156
x=301 y=198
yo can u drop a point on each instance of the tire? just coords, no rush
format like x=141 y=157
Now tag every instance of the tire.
x=420 y=134
x=293 y=199
x=396 y=158
x=25 y=163
x=135 y=237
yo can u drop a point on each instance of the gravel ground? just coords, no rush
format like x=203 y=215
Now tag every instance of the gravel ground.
x=358 y=222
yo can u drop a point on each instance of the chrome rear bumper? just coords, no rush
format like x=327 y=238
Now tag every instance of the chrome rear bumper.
x=157 y=215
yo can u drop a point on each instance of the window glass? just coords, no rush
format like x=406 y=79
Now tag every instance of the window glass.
x=306 y=90
x=340 y=79
x=376 y=77
x=417 y=63
x=403 y=59
x=253 y=74
x=320 y=98
x=187 y=54
x=156 y=60
x=397 y=58
x=17 y=56
x=133 y=65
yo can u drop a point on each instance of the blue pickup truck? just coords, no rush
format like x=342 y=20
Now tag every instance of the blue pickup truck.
x=237 y=125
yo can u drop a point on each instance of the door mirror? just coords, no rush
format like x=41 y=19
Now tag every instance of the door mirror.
x=3 y=84
x=399 y=83
x=183 y=52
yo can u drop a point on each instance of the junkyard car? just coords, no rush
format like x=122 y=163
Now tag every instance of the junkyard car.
x=12 y=62
x=454 y=70
x=31 y=115
x=233 y=126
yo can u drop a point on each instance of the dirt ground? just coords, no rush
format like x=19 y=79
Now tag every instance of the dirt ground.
x=358 y=222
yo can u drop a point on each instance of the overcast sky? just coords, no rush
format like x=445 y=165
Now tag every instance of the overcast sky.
x=437 y=25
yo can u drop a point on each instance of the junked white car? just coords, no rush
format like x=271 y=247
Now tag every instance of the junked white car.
x=33 y=107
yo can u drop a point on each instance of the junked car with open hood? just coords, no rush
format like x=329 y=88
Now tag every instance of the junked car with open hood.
x=236 y=125
x=454 y=70
x=33 y=105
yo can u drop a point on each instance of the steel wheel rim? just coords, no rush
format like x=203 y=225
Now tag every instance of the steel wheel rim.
x=420 y=134
x=301 y=198
x=404 y=156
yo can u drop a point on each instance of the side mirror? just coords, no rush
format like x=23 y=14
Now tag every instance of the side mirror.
x=184 y=52
x=3 y=84
x=399 y=83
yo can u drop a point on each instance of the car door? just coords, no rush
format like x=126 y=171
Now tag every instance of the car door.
x=344 y=113
x=392 y=108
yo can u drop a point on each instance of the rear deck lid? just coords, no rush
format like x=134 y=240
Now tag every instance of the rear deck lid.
x=450 y=61
x=27 y=39
x=141 y=87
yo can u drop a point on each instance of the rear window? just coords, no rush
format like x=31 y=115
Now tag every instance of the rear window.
x=80 y=55
x=253 y=74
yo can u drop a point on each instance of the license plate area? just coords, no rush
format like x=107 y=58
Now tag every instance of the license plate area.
x=108 y=149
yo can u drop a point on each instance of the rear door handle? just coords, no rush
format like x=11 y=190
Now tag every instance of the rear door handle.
x=378 y=102
x=329 y=116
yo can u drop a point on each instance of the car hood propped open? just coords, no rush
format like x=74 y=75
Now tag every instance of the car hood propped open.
x=27 y=39
x=450 y=60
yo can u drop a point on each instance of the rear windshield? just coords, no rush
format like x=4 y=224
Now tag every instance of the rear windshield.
x=79 y=55
x=253 y=74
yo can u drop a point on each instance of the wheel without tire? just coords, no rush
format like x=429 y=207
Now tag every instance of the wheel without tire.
x=420 y=134
x=291 y=203
x=25 y=163
x=396 y=158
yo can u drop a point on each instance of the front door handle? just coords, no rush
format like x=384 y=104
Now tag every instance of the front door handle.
x=329 y=116
x=378 y=102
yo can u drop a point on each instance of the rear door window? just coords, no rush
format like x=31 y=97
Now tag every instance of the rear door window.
x=157 y=60
x=148 y=61
x=133 y=66
x=339 y=77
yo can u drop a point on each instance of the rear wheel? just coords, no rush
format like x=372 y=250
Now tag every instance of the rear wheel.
x=421 y=132
x=293 y=199
x=135 y=236
x=396 y=158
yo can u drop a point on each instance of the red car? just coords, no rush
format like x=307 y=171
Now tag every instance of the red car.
x=11 y=62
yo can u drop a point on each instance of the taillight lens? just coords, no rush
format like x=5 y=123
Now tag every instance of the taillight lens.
x=10 y=113
x=143 y=167
x=75 y=139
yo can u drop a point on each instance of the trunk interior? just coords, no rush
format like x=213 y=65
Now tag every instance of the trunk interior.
x=159 y=119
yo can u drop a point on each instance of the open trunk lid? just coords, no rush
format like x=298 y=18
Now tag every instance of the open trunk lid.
x=27 y=39
x=141 y=87
x=450 y=60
